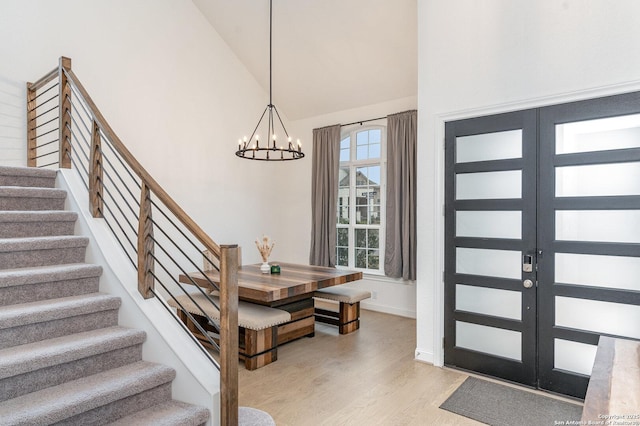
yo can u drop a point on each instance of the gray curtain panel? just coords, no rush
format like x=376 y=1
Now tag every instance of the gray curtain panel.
x=400 y=250
x=324 y=195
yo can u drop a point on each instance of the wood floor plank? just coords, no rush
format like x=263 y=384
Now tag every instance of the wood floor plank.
x=368 y=377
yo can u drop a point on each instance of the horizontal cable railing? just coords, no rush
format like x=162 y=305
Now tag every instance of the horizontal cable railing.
x=66 y=129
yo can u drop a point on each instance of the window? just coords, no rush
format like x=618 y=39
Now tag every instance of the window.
x=361 y=183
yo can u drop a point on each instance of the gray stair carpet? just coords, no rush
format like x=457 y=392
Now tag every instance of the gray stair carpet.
x=64 y=359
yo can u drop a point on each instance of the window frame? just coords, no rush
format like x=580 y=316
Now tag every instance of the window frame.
x=353 y=165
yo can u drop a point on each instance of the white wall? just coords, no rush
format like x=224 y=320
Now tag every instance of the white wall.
x=170 y=88
x=484 y=56
x=13 y=127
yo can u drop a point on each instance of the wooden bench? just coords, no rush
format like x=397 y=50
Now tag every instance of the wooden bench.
x=613 y=393
x=258 y=327
x=348 y=317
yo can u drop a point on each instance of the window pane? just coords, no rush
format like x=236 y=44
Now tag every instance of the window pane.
x=361 y=238
x=343 y=177
x=598 y=180
x=345 y=143
x=375 y=136
x=362 y=152
x=343 y=237
x=373 y=241
x=374 y=259
x=374 y=151
x=489 y=146
x=343 y=256
x=598 y=135
x=373 y=174
x=361 y=215
x=361 y=258
x=345 y=149
x=362 y=138
x=374 y=215
x=343 y=205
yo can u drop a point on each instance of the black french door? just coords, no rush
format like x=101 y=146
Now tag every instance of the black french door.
x=542 y=240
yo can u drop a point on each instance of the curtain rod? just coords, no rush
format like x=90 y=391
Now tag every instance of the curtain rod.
x=363 y=121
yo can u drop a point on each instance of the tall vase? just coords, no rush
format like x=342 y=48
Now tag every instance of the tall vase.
x=265 y=268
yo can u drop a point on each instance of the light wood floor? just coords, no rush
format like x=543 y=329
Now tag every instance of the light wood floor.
x=368 y=377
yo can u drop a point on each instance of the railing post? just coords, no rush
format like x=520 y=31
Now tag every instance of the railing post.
x=145 y=245
x=95 y=172
x=229 y=335
x=31 y=126
x=65 y=114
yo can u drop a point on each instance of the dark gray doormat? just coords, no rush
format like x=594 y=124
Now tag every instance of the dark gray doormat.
x=500 y=405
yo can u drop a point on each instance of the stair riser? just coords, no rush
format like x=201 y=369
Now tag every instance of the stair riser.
x=31 y=203
x=35 y=229
x=42 y=257
x=30 y=181
x=45 y=291
x=123 y=407
x=49 y=329
x=23 y=384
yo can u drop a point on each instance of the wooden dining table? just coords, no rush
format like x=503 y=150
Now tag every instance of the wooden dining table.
x=290 y=290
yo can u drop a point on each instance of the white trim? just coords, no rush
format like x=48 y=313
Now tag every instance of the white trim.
x=438 y=153
x=423 y=355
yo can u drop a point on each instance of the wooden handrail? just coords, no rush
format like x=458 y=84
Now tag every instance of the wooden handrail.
x=51 y=75
x=137 y=168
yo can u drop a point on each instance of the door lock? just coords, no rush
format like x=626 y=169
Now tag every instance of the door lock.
x=527 y=283
x=527 y=263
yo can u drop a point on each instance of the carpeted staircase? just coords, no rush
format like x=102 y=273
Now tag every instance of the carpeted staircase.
x=63 y=357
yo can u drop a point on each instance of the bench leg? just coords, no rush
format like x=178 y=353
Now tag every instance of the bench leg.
x=349 y=317
x=260 y=347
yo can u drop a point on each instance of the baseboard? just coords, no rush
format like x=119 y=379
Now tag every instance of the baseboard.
x=387 y=310
x=424 y=356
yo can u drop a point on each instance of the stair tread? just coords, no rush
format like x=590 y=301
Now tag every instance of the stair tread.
x=167 y=414
x=31 y=192
x=53 y=309
x=37 y=216
x=42 y=243
x=27 y=172
x=46 y=353
x=69 y=399
x=48 y=273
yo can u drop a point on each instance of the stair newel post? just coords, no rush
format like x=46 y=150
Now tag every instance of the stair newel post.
x=31 y=126
x=145 y=244
x=65 y=113
x=95 y=172
x=229 y=335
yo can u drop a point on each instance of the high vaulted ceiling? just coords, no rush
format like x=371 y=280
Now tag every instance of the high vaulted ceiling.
x=328 y=55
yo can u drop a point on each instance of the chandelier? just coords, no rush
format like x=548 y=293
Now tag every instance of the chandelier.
x=270 y=148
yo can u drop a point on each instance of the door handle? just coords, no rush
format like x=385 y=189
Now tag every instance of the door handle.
x=527 y=283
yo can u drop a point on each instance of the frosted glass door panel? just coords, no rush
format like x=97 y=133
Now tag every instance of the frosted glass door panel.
x=487 y=262
x=603 y=317
x=489 y=301
x=620 y=272
x=598 y=180
x=616 y=226
x=489 y=224
x=490 y=340
x=489 y=185
x=489 y=146
x=574 y=356
x=598 y=135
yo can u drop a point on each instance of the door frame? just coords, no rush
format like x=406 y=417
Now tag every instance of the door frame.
x=435 y=354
